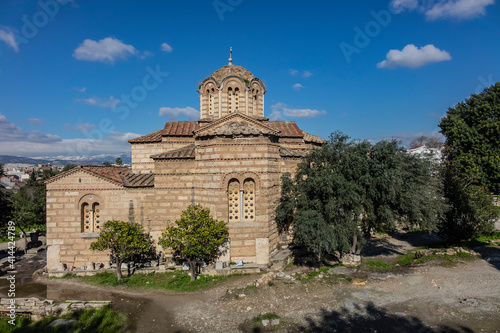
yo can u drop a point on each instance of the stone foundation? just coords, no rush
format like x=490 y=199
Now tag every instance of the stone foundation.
x=36 y=308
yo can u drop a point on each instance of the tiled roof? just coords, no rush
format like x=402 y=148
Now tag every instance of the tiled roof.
x=232 y=70
x=312 y=138
x=287 y=152
x=119 y=175
x=138 y=179
x=239 y=128
x=180 y=128
x=288 y=129
x=184 y=152
x=152 y=137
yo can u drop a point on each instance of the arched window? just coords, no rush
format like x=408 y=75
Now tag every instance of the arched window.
x=255 y=101
x=91 y=217
x=241 y=201
x=233 y=194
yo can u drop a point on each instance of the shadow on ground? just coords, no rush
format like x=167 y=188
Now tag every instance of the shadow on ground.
x=491 y=254
x=381 y=247
x=371 y=319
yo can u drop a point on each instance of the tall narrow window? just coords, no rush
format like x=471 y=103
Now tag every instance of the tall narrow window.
x=234 y=201
x=86 y=218
x=236 y=96
x=97 y=217
x=248 y=208
x=230 y=99
x=91 y=217
x=210 y=101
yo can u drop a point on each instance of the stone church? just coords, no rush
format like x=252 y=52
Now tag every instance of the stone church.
x=230 y=160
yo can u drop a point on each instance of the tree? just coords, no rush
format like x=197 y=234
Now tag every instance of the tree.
x=125 y=240
x=68 y=167
x=472 y=131
x=5 y=208
x=2 y=170
x=119 y=161
x=347 y=189
x=196 y=237
x=107 y=164
x=28 y=205
x=432 y=142
x=472 y=157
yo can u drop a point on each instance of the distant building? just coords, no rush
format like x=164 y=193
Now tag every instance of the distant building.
x=435 y=154
x=230 y=160
x=11 y=182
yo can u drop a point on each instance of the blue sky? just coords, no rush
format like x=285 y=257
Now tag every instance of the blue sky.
x=82 y=77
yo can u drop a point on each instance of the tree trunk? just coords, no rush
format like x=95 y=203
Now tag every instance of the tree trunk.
x=118 y=268
x=192 y=267
x=354 y=243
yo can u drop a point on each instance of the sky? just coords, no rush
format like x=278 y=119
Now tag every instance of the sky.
x=83 y=77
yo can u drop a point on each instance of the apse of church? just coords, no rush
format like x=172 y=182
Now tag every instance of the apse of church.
x=230 y=160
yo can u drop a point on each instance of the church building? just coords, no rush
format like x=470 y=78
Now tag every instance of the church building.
x=230 y=160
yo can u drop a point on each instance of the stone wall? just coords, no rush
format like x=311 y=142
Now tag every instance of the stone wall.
x=66 y=240
x=141 y=152
x=39 y=308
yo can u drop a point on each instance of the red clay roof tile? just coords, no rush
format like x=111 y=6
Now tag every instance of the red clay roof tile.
x=184 y=152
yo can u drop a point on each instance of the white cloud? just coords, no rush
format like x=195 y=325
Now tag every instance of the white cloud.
x=443 y=9
x=96 y=101
x=81 y=89
x=281 y=109
x=10 y=132
x=36 y=121
x=297 y=86
x=295 y=72
x=81 y=127
x=414 y=57
x=7 y=36
x=115 y=142
x=458 y=9
x=106 y=50
x=173 y=113
x=307 y=74
x=166 y=48
x=275 y=115
x=400 y=6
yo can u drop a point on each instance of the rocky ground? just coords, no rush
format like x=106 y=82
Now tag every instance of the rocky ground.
x=464 y=297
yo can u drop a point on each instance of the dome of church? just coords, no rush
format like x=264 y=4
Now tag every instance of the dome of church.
x=232 y=70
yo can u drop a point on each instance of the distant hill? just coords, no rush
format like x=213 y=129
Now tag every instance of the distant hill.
x=4 y=159
x=63 y=160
